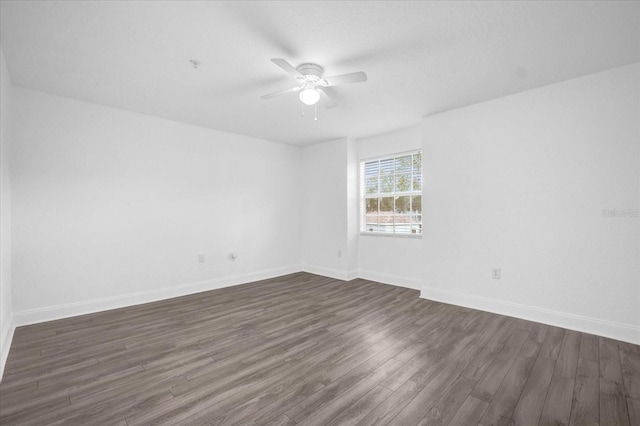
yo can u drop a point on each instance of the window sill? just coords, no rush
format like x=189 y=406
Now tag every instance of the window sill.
x=388 y=234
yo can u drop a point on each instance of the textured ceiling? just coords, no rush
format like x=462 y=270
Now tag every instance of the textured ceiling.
x=421 y=57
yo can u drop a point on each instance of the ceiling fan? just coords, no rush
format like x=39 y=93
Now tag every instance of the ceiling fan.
x=312 y=85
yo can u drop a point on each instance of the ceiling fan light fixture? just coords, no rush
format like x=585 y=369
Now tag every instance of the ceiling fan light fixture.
x=309 y=96
x=311 y=82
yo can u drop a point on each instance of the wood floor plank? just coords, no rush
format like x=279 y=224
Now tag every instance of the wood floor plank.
x=264 y=408
x=491 y=380
x=479 y=365
x=634 y=411
x=531 y=402
x=613 y=403
x=613 y=409
x=106 y=411
x=585 y=408
x=422 y=365
x=470 y=413
x=390 y=407
x=330 y=405
x=588 y=347
x=630 y=364
x=557 y=407
x=447 y=406
x=506 y=397
x=31 y=410
x=283 y=420
x=448 y=371
x=287 y=403
x=568 y=356
x=356 y=412
x=233 y=389
x=305 y=349
x=237 y=409
x=460 y=350
x=609 y=361
x=552 y=343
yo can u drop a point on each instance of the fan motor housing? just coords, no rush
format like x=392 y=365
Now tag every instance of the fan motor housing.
x=310 y=70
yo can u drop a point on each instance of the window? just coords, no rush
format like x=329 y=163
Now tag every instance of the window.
x=391 y=195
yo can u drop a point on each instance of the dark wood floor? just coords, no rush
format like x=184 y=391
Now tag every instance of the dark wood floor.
x=309 y=350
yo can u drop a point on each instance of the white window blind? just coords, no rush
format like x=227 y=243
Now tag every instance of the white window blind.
x=391 y=194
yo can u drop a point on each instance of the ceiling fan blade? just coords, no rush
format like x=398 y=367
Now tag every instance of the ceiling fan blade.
x=354 y=77
x=280 y=92
x=327 y=100
x=287 y=67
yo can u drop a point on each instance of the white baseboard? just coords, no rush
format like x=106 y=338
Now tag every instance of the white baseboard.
x=7 y=338
x=50 y=313
x=398 y=280
x=352 y=275
x=338 y=274
x=624 y=332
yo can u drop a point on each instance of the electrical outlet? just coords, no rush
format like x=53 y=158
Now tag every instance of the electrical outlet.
x=201 y=258
x=495 y=273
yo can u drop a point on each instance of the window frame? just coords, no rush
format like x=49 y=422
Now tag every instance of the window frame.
x=363 y=196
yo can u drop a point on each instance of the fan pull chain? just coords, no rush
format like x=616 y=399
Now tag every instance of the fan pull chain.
x=315 y=112
x=301 y=110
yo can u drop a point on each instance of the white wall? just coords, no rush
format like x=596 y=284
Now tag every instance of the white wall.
x=520 y=183
x=112 y=207
x=325 y=205
x=353 y=207
x=392 y=260
x=6 y=306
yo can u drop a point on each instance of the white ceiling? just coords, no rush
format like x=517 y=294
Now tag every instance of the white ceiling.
x=421 y=57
